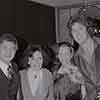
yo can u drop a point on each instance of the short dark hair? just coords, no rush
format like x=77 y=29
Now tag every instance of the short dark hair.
x=8 y=37
x=85 y=21
x=78 y=19
x=28 y=53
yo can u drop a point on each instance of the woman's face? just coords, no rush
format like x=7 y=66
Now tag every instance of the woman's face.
x=64 y=54
x=36 y=60
x=79 y=32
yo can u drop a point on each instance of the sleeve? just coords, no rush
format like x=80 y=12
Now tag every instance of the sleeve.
x=50 y=86
x=20 y=94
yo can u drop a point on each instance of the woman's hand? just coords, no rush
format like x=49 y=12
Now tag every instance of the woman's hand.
x=75 y=75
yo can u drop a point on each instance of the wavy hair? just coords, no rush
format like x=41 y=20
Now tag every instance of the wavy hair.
x=29 y=52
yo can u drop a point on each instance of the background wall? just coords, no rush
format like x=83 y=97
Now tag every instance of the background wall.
x=31 y=21
x=63 y=15
x=7 y=16
x=35 y=22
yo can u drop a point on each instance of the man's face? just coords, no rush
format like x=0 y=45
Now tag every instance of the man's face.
x=79 y=32
x=7 y=51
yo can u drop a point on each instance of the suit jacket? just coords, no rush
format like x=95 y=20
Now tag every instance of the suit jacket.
x=9 y=87
x=90 y=71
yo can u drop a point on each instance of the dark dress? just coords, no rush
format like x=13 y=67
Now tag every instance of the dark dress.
x=75 y=96
x=65 y=89
x=90 y=71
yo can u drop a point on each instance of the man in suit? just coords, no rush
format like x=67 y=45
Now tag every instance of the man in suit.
x=9 y=76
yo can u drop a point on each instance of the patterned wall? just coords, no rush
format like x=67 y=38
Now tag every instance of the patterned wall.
x=63 y=17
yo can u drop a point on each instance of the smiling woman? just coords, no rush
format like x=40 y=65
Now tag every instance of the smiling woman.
x=68 y=78
x=37 y=81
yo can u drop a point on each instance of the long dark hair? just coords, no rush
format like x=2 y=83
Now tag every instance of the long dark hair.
x=29 y=52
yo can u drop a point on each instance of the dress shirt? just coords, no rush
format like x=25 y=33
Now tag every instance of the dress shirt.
x=4 y=67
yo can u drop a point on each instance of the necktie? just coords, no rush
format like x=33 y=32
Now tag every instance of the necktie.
x=98 y=94
x=10 y=72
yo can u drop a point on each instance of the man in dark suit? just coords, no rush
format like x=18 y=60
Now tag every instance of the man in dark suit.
x=9 y=76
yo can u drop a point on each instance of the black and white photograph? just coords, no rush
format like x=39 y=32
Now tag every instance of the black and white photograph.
x=50 y=50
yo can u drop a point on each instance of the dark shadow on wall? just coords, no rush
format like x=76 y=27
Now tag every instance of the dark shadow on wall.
x=22 y=44
x=39 y=23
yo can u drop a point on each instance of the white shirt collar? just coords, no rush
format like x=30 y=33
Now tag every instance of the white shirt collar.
x=4 y=67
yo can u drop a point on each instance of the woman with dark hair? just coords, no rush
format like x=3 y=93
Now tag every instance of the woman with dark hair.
x=37 y=82
x=87 y=57
x=69 y=79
